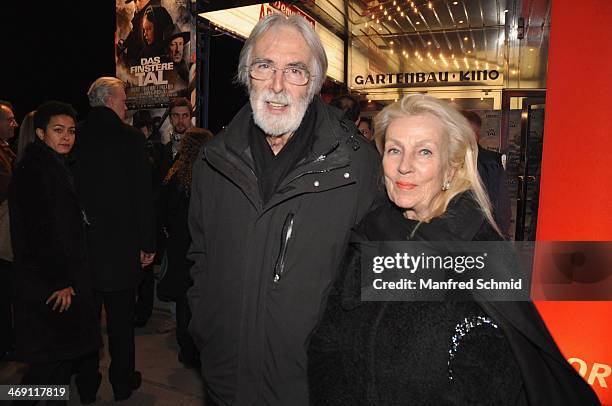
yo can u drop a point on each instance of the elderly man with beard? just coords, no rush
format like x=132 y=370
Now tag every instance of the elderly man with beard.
x=273 y=200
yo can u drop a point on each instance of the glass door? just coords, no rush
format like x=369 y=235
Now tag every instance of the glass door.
x=522 y=140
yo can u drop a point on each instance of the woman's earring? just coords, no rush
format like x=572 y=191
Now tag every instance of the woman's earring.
x=446 y=185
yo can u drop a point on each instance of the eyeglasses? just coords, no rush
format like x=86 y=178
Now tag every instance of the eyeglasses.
x=293 y=74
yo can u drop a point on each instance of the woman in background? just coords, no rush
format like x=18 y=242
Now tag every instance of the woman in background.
x=172 y=214
x=56 y=324
x=27 y=134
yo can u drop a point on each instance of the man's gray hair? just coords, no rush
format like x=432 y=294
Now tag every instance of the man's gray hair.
x=318 y=70
x=102 y=88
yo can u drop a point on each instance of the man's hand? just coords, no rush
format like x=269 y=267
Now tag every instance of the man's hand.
x=146 y=258
x=63 y=299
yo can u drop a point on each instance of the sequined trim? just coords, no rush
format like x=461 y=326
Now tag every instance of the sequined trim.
x=461 y=330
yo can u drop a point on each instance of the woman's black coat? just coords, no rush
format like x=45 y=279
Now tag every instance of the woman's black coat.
x=358 y=354
x=49 y=245
x=173 y=207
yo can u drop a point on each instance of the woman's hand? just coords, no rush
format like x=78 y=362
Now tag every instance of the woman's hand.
x=63 y=299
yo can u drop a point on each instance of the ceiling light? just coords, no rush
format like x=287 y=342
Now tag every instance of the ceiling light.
x=394 y=2
x=506 y=10
x=417 y=23
x=513 y=72
x=385 y=13
x=406 y=55
x=455 y=3
x=379 y=28
x=372 y=16
x=391 y=42
x=469 y=52
x=389 y=18
x=377 y=21
x=465 y=38
x=531 y=49
x=460 y=21
x=391 y=51
x=415 y=10
x=481 y=98
x=452 y=98
x=381 y=7
x=369 y=101
x=430 y=5
x=366 y=24
x=453 y=56
x=428 y=42
x=398 y=8
x=402 y=14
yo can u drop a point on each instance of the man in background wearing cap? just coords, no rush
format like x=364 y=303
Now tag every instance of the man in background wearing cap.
x=143 y=121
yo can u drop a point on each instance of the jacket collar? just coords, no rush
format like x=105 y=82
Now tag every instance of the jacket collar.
x=230 y=153
x=103 y=113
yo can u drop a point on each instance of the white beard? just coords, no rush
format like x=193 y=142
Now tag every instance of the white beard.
x=276 y=125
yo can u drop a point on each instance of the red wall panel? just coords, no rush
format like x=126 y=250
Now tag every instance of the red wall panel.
x=576 y=184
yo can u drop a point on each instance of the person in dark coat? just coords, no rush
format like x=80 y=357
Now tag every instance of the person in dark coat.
x=273 y=199
x=56 y=322
x=493 y=175
x=143 y=121
x=450 y=352
x=7 y=157
x=173 y=207
x=112 y=177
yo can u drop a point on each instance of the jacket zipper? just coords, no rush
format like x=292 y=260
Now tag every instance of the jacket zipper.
x=279 y=268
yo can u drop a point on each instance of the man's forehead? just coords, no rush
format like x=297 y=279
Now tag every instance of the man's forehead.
x=180 y=110
x=283 y=41
x=177 y=40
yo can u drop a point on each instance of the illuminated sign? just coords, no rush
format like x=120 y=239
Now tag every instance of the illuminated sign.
x=287 y=9
x=488 y=77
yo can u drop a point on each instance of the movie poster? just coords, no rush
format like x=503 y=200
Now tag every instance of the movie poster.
x=155 y=51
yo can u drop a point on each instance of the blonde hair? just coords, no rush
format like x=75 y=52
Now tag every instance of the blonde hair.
x=461 y=148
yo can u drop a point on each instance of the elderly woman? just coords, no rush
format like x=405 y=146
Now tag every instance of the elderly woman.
x=56 y=324
x=467 y=352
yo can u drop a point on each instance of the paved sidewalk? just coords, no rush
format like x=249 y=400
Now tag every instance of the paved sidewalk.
x=164 y=380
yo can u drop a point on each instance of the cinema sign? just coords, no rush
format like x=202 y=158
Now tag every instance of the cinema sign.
x=405 y=79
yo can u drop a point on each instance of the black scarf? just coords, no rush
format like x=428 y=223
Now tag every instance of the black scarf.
x=272 y=169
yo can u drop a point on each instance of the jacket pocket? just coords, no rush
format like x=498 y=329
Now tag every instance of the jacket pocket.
x=286 y=235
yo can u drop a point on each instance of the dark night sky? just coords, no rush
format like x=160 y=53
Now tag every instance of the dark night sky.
x=55 y=50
